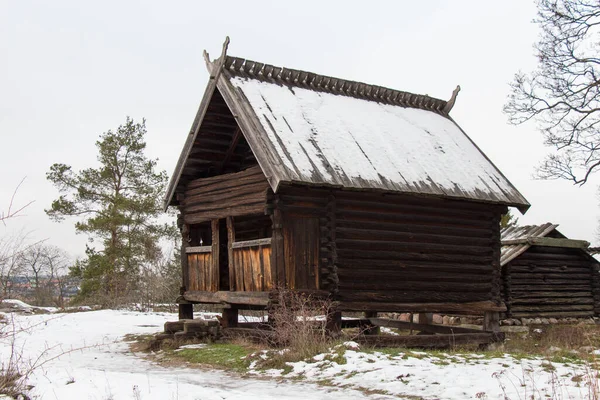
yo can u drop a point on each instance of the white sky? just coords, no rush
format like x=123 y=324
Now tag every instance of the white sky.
x=70 y=70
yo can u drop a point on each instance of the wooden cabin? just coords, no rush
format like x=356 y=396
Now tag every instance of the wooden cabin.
x=370 y=195
x=547 y=275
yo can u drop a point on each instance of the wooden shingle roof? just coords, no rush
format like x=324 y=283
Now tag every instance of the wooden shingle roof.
x=310 y=129
x=517 y=239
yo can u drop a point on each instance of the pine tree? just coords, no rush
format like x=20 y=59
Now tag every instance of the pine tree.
x=508 y=220
x=119 y=203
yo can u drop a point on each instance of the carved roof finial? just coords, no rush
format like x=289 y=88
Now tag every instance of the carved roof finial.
x=452 y=100
x=209 y=64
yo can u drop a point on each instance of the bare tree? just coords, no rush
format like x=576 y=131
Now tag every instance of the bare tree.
x=45 y=267
x=562 y=95
x=11 y=249
x=13 y=210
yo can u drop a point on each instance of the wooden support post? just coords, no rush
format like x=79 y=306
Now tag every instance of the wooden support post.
x=371 y=329
x=230 y=240
x=214 y=272
x=277 y=259
x=425 y=318
x=185 y=273
x=491 y=321
x=229 y=317
x=334 y=322
x=186 y=311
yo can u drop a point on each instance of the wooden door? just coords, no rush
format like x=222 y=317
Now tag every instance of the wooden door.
x=301 y=252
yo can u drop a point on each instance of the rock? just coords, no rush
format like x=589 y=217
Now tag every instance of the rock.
x=553 y=320
x=164 y=336
x=405 y=317
x=517 y=322
x=214 y=331
x=497 y=346
x=514 y=329
x=185 y=335
x=438 y=319
x=554 y=349
x=507 y=322
x=446 y=320
x=545 y=321
x=195 y=326
x=174 y=326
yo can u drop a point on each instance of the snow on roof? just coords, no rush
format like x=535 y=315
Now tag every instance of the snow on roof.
x=324 y=138
x=511 y=251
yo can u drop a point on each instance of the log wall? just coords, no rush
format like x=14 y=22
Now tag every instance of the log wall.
x=401 y=249
x=240 y=193
x=551 y=282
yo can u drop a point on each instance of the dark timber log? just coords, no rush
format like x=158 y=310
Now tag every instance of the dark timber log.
x=554 y=314
x=466 y=308
x=431 y=341
x=227 y=195
x=415 y=296
x=248 y=298
x=431 y=328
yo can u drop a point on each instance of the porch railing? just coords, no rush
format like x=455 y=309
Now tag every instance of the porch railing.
x=202 y=274
x=250 y=265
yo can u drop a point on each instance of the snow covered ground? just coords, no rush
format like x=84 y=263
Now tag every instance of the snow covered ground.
x=104 y=368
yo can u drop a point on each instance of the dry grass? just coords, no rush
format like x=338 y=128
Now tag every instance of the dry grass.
x=571 y=342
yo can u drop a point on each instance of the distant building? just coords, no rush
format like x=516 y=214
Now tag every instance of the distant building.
x=546 y=274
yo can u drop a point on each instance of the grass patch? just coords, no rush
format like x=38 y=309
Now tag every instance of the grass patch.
x=218 y=355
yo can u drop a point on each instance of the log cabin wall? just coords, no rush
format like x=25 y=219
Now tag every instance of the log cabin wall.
x=235 y=194
x=401 y=249
x=552 y=282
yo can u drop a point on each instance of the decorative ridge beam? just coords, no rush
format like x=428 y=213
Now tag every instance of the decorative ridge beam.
x=548 y=242
x=269 y=73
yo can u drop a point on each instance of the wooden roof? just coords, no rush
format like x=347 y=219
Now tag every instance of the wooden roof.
x=517 y=239
x=318 y=130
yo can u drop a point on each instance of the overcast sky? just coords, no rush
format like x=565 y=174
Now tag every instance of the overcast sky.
x=70 y=70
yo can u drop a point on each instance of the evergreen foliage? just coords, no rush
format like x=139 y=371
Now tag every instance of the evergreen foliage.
x=117 y=203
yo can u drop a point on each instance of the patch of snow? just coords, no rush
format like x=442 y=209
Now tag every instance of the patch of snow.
x=388 y=331
x=351 y=345
x=22 y=306
x=192 y=346
x=84 y=357
x=445 y=376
